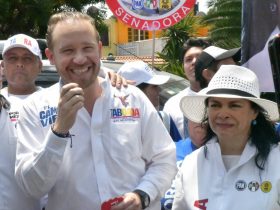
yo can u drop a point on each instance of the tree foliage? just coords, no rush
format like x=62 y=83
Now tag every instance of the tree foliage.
x=176 y=36
x=31 y=16
x=224 y=20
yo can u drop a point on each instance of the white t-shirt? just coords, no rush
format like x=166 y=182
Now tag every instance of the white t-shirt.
x=16 y=103
x=172 y=107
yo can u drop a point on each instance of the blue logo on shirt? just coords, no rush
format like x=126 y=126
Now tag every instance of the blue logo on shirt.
x=48 y=115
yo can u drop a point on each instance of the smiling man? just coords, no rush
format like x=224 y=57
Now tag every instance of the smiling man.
x=107 y=135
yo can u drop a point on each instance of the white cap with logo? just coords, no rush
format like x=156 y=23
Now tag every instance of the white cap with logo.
x=140 y=72
x=22 y=41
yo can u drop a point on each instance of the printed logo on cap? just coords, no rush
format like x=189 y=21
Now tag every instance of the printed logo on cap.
x=150 y=15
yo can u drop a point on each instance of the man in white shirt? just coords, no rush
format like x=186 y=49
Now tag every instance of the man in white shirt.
x=85 y=142
x=11 y=196
x=191 y=50
x=22 y=62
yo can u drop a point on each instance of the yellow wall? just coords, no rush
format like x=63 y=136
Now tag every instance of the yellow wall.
x=118 y=34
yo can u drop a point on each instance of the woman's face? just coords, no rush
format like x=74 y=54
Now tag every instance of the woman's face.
x=230 y=118
x=197 y=133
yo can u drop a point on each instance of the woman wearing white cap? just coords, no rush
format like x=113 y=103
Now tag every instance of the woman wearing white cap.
x=235 y=169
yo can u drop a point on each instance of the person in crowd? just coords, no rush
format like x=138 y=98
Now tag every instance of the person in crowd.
x=184 y=147
x=241 y=146
x=11 y=196
x=210 y=60
x=21 y=64
x=190 y=51
x=83 y=125
x=148 y=81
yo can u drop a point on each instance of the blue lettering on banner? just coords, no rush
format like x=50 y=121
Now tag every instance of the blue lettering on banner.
x=48 y=116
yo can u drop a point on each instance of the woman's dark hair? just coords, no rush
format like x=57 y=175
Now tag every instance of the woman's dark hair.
x=263 y=134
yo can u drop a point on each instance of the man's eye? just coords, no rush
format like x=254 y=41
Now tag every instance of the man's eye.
x=213 y=105
x=12 y=58
x=27 y=59
x=235 y=105
x=89 y=48
x=67 y=51
x=188 y=60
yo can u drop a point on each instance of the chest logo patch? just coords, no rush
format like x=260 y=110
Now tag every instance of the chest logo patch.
x=266 y=186
x=123 y=99
x=253 y=186
x=240 y=185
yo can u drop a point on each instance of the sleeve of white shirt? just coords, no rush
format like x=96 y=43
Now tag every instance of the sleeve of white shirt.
x=39 y=155
x=179 y=202
x=158 y=151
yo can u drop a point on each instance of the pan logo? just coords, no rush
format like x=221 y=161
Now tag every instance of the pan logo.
x=240 y=185
x=137 y=4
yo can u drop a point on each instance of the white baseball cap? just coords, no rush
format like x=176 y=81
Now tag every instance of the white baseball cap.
x=140 y=72
x=22 y=41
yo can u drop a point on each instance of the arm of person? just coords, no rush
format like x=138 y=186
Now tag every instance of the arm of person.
x=179 y=202
x=40 y=149
x=158 y=152
x=116 y=80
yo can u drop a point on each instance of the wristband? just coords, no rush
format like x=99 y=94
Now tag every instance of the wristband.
x=61 y=135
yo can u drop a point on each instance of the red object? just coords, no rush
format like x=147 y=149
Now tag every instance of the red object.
x=141 y=18
x=108 y=204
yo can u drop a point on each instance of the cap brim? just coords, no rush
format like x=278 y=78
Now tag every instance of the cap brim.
x=19 y=46
x=234 y=53
x=193 y=107
x=158 y=80
x=14 y=46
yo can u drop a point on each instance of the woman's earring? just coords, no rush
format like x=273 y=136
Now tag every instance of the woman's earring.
x=254 y=122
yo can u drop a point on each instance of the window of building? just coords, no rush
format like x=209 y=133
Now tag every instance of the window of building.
x=136 y=35
x=105 y=38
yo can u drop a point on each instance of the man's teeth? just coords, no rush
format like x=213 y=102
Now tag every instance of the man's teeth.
x=80 y=71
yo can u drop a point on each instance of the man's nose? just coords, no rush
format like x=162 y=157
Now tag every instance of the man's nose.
x=79 y=58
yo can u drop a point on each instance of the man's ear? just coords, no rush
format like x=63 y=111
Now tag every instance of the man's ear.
x=100 y=49
x=40 y=65
x=207 y=74
x=49 y=55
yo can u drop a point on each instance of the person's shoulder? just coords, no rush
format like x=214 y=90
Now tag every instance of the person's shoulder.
x=176 y=98
x=43 y=93
x=275 y=150
x=183 y=142
x=4 y=92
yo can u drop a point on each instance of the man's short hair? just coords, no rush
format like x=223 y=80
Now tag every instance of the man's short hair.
x=194 y=42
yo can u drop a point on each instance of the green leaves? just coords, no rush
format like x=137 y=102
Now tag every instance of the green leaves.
x=224 y=20
x=31 y=16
